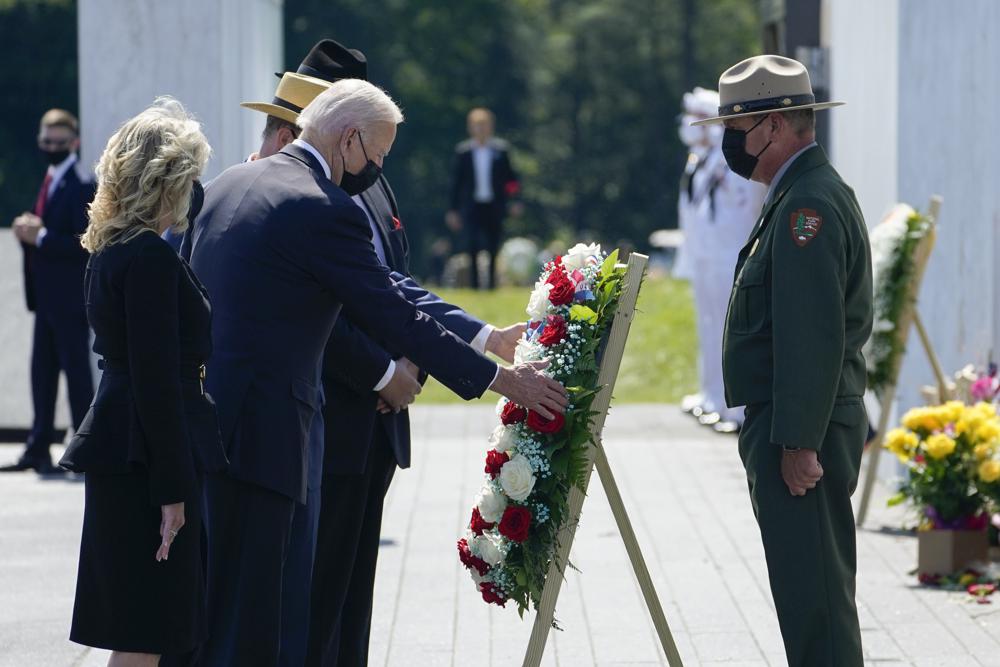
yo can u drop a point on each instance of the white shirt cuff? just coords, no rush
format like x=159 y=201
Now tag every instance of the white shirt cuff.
x=495 y=376
x=479 y=342
x=41 y=235
x=389 y=372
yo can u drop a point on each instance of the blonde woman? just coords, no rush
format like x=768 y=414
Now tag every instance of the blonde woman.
x=151 y=432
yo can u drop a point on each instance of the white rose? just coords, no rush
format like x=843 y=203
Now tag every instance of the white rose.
x=526 y=351
x=577 y=256
x=502 y=439
x=476 y=578
x=485 y=547
x=491 y=504
x=516 y=478
x=538 y=304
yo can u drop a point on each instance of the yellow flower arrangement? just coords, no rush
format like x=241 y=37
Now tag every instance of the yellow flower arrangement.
x=939 y=445
x=989 y=470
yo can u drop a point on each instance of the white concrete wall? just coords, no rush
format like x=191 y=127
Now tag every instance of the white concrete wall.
x=949 y=143
x=209 y=54
x=862 y=39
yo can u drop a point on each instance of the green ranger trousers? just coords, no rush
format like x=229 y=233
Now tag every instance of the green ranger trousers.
x=809 y=541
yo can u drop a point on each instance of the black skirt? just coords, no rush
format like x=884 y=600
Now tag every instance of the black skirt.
x=125 y=600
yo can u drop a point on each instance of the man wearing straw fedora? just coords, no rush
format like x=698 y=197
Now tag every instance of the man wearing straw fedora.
x=799 y=313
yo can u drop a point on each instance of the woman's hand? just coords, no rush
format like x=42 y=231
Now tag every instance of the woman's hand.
x=170 y=525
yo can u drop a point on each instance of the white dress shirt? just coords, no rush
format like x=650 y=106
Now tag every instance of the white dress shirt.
x=57 y=172
x=482 y=166
x=376 y=236
x=312 y=149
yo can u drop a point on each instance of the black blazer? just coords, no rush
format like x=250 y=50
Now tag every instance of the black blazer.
x=280 y=248
x=354 y=362
x=502 y=176
x=152 y=322
x=53 y=271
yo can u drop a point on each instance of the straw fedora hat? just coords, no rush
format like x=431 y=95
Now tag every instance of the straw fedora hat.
x=764 y=84
x=294 y=93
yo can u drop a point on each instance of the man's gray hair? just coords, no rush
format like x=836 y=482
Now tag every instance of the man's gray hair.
x=348 y=103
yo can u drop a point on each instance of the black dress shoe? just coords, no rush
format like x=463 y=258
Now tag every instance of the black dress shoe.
x=20 y=466
x=42 y=467
x=46 y=468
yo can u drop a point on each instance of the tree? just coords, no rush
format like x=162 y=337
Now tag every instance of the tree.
x=39 y=72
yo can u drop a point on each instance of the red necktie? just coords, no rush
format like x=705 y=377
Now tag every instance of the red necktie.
x=43 y=195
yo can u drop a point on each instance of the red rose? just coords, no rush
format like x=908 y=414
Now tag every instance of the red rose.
x=536 y=422
x=478 y=524
x=470 y=561
x=492 y=594
x=555 y=330
x=562 y=292
x=512 y=414
x=495 y=461
x=515 y=523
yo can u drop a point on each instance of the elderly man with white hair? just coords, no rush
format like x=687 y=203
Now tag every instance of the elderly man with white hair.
x=281 y=247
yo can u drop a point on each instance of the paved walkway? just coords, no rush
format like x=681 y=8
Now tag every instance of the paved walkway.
x=687 y=498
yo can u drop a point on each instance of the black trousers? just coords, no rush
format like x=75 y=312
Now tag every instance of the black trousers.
x=484 y=227
x=350 y=523
x=60 y=344
x=249 y=529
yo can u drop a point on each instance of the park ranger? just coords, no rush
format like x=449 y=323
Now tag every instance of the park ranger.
x=800 y=310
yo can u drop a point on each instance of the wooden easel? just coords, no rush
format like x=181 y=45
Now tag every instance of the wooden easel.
x=908 y=317
x=608 y=374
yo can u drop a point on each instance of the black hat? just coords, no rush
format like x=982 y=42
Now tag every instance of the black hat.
x=331 y=61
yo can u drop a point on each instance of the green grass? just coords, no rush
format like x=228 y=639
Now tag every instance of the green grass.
x=659 y=363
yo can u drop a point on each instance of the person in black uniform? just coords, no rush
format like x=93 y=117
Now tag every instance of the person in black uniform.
x=483 y=181
x=53 y=283
x=151 y=432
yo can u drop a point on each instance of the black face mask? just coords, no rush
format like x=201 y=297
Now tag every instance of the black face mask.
x=355 y=184
x=197 y=199
x=54 y=157
x=734 y=148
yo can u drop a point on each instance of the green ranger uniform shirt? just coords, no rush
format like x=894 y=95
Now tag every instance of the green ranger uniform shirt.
x=801 y=306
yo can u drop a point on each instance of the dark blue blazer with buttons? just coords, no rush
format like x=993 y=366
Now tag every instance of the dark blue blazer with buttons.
x=281 y=250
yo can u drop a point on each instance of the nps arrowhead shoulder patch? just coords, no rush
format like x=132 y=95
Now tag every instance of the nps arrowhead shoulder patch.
x=805 y=225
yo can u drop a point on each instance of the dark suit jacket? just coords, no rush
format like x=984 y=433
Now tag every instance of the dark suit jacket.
x=502 y=176
x=801 y=306
x=53 y=271
x=152 y=322
x=354 y=362
x=281 y=248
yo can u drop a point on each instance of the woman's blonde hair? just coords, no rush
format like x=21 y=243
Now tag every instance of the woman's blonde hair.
x=145 y=175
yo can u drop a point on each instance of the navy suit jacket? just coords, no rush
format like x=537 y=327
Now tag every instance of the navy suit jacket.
x=281 y=249
x=354 y=362
x=53 y=271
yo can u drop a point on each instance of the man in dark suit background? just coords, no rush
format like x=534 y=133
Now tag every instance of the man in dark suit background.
x=364 y=445
x=483 y=181
x=54 y=263
x=281 y=248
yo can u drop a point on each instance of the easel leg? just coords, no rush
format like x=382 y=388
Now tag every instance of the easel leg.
x=871 y=474
x=638 y=562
